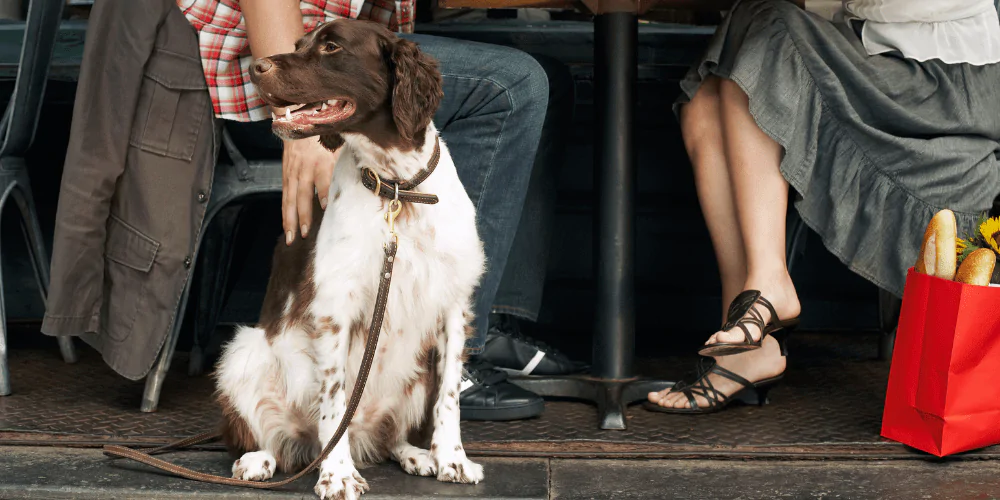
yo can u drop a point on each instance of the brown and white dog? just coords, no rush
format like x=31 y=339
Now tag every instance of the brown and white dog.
x=284 y=385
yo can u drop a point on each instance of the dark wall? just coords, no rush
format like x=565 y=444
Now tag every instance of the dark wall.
x=677 y=292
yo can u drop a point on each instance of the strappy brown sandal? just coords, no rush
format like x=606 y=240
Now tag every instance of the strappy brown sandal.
x=752 y=393
x=743 y=311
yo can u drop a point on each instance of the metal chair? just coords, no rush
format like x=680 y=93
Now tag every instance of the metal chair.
x=888 y=304
x=234 y=181
x=17 y=130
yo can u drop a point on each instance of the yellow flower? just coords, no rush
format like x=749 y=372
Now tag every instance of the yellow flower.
x=960 y=245
x=991 y=233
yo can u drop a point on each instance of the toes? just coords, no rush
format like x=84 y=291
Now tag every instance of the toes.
x=658 y=397
x=736 y=335
x=670 y=401
x=661 y=398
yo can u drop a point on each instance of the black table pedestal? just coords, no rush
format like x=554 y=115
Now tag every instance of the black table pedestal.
x=612 y=384
x=611 y=396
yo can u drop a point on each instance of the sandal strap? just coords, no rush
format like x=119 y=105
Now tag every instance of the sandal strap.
x=731 y=376
x=706 y=389
x=738 y=307
x=770 y=308
x=692 y=401
x=752 y=316
x=746 y=331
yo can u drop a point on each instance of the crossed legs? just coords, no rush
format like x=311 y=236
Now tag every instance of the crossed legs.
x=744 y=199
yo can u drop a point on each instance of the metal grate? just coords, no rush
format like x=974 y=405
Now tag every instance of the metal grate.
x=830 y=405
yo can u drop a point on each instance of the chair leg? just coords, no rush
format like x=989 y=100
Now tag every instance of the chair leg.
x=39 y=254
x=4 y=370
x=795 y=239
x=889 y=307
x=216 y=258
x=156 y=376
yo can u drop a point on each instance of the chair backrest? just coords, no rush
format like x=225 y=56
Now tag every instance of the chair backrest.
x=20 y=119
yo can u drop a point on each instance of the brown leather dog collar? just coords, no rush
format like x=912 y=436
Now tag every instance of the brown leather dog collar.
x=403 y=190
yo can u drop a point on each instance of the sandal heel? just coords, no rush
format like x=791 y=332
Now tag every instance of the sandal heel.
x=762 y=393
x=757 y=394
x=752 y=396
x=763 y=388
x=782 y=337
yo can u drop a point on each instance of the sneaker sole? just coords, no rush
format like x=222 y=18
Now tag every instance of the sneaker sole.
x=517 y=373
x=506 y=413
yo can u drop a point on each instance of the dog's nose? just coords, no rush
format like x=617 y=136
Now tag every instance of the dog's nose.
x=261 y=66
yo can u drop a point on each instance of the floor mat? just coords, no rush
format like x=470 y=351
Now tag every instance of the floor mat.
x=829 y=406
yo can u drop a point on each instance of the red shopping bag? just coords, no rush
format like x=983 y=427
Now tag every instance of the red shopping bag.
x=944 y=384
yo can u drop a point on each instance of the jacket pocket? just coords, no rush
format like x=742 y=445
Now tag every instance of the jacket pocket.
x=173 y=103
x=129 y=256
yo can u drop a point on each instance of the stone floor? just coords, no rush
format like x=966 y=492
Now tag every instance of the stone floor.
x=57 y=473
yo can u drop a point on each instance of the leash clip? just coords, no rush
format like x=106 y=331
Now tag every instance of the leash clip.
x=395 y=207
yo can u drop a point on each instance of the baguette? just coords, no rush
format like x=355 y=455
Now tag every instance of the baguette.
x=938 y=254
x=977 y=268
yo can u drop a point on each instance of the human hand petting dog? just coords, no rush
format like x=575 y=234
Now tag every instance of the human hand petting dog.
x=306 y=171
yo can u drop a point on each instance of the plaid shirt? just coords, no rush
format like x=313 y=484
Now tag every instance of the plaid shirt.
x=225 y=52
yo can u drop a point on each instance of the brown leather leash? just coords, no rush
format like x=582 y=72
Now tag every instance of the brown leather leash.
x=397 y=192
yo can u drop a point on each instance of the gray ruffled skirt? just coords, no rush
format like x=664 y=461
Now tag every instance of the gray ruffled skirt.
x=873 y=146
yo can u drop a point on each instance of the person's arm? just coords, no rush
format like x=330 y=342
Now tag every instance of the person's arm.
x=273 y=27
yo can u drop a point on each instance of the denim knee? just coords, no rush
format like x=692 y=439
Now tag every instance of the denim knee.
x=524 y=79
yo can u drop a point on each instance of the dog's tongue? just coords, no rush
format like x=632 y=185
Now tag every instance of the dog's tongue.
x=307 y=114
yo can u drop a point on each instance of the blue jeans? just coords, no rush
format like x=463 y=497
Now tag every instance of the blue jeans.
x=523 y=281
x=495 y=100
x=491 y=116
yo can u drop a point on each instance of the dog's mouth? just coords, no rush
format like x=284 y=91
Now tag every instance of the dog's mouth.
x=326 y=112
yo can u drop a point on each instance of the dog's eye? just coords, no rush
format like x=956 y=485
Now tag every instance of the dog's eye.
x=330 y=47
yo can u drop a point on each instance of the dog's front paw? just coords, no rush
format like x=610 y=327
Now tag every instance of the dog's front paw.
x=255 y=466
x=339 y=486
x=418 y=463
x=459 y=470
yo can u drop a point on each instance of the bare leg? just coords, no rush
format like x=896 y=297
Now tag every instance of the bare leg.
x=761 y=196
x=761 y=205
x=701 y=124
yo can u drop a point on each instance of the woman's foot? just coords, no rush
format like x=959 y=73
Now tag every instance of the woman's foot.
x=757 y=365
x=780 y=292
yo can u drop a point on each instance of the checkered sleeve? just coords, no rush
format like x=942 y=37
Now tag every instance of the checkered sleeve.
x=225 y=52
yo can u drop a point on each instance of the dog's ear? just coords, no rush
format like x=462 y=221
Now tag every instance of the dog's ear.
x=332 y=142
x=416 y=87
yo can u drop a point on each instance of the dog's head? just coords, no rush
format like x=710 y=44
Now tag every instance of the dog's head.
x=351 y=76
